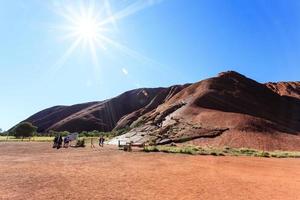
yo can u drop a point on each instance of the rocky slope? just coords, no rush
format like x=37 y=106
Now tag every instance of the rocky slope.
x=227 y=110
x=291 y=89
x=102 y=115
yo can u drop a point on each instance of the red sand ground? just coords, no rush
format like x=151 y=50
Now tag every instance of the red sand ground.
x=36 y=171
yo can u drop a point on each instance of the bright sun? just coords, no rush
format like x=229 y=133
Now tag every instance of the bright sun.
x=92 y=25
x=84 y=28
x=87 y=28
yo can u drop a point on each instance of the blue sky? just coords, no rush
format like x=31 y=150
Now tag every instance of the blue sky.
x=152 y=43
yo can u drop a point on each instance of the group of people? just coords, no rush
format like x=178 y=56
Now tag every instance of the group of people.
x=58 y=140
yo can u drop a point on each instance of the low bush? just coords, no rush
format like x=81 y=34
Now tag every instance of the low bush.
x=262 y=154
x=80 y=143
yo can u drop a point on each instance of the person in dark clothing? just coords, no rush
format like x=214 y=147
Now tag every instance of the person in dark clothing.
x=66 y=142
x=59 y=142
x=55 y=141
x=101 y=141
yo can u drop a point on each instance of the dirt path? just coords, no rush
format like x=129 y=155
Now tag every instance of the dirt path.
x=41 y=172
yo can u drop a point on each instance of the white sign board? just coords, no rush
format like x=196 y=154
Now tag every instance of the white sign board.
x=72 y=136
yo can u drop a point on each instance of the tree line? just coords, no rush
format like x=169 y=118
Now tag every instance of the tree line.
x=27 y=129
x=21 y=130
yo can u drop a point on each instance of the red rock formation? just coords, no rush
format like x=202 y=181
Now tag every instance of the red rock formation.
x=291 y=89
x=103 y=115
x=227 y=110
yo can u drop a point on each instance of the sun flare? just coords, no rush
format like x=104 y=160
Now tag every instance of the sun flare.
x=91 y=24
x=87 y=28
x=83 y=27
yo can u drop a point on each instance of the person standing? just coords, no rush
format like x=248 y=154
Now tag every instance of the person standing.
x=66 y=142
x=101 y=141
x=59 y=142
x=55 y=141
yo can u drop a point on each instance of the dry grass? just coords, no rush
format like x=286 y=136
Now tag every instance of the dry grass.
x=226 y=151
x=32 y=139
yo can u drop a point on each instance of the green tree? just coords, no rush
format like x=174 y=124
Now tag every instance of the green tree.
x=24 y=129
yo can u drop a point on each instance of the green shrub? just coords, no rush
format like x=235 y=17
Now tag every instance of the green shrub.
x=62 y=133
x=262 y=154
x=246 y=151
x=170 y=149
x=151 y=149
x=285 y=154
x=4 y=133
x=80 y=143
x=24 y=129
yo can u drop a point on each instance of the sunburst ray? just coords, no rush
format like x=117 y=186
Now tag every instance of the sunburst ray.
x=89 y=27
